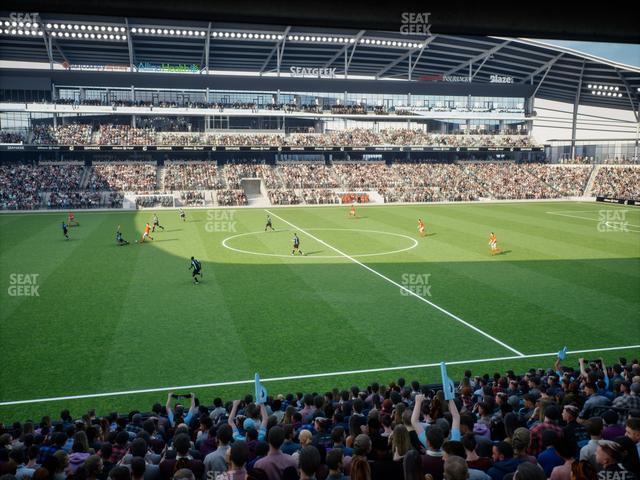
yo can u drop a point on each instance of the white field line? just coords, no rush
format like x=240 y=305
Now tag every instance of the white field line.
x=589 y=218
x=311 y=375
x=401 y=287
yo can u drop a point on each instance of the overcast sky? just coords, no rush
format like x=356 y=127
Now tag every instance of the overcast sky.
x=618 y=52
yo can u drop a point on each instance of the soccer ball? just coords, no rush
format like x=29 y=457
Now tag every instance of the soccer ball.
x=136 y=241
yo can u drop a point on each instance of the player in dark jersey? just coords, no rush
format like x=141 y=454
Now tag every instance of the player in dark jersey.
x=156 y=223
x=65 y=230
x=296 y=245
x=197 y=270
x=269 y=224
x=119 y=240
x=182 y=215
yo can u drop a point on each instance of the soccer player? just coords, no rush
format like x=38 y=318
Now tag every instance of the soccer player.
x=352 y=212
x=156 y=223
x=147 y=228
x=296 y=245
x=493 y=243
x=119 y=240
x=182 y=215
x=421 y=227
x=269 y=224
x=65 y=230
x=197 y=270
x=72 y=220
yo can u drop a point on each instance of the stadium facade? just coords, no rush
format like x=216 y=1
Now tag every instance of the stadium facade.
x=138 y=71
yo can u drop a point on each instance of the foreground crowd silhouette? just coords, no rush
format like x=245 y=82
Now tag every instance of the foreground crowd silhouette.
x=563 y=423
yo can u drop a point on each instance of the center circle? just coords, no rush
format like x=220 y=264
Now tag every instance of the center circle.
x=361 y=255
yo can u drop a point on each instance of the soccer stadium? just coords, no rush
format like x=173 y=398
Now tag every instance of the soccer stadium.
x=238 y=249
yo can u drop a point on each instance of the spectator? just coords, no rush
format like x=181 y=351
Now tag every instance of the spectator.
x=275 y=462
x=551 y=417
x=236 y=456
x=503 y=461
x=215 y=461
x=309 y=462
x=549 y=459
x=594 y=430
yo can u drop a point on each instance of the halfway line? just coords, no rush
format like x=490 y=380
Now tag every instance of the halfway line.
x=410 y=292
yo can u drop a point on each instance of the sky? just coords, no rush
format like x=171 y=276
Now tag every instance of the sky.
x=618 y=52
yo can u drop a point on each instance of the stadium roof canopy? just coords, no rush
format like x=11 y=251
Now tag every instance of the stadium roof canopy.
x=557 y=73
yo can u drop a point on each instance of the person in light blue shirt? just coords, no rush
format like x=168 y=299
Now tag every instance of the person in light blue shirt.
x=170 y=411
x=248 y=423
x=419 y=428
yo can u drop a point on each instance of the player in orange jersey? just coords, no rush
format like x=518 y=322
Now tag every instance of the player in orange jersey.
x=352 y=212
x=72 y=220
x=421 y=227
x=147 y=228
x=493 y=243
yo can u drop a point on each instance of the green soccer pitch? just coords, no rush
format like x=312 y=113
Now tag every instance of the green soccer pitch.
x=370 y=300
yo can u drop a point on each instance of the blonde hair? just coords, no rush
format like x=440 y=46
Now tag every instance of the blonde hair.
x=400 y=440
x=305 y=437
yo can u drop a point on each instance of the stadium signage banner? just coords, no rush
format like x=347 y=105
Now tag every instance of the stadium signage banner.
x=168 y=67
x=500 y=79
x=214 y=148
x=95 y=68
x=302 y=72
x=446 y=78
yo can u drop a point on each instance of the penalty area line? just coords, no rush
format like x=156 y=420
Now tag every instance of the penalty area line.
x=402 y=287
x=310 y=375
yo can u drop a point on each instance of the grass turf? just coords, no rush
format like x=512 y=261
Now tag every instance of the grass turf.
x=112 y=318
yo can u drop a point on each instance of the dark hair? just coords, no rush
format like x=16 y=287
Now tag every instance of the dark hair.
x=225 y=433
x=454 y=447
x=505 y=449
x=182 y=443
x=138 y=466
x=469 y=442
x=530 y=471
x=334 y=458
x=106 y=449
x=412 y=465
x=435 y=437
x=275 y=437
x=138 y=447
x=239 y=453
x=309 y=460
x=120 y=473
x=594 y=426
x=122 y=438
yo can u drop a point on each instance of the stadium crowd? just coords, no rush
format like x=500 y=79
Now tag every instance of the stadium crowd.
x=11 y=137
x=509 y=181
x=567 y=181
x=312 y=196
x=284 y=197
x=22 y=184
x=303 y=175
x=79 y=134
x=74 y=200
x=185 y=176
x=135 y=177
x=235 y=172
x=231 y=197
x=28 y=187
x=192 y=199
x=567 y=422
x=618 y=182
